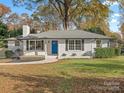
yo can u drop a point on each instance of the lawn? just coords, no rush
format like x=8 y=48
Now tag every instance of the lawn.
x=65 y=76
x=2 y=51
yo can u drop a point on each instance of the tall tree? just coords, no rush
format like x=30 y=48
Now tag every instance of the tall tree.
x=12 y=21
x=3 y=31
x=15 y=21
x=68 y=10
x=3 y=10
x=95 y=16
x=122 y=30
x=25 y=19
x=122 y=18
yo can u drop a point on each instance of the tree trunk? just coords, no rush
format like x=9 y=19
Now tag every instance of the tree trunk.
x=66 y=16
x=65 y=23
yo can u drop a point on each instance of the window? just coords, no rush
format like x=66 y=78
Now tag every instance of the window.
x=77 y=44
x=35 y=45
x=71 y=44
x=17 y=43
x=32 y=45
x=108 y=44
x=74 y=45
x=39 y=45
x=98 y=43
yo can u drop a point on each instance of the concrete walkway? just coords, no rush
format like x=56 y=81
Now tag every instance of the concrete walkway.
x=31 y=63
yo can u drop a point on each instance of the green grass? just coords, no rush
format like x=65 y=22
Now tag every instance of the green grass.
x=112 y=67
x=64 y=76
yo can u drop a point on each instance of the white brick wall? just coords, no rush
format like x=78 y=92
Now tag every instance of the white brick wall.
x=89 y=49
x=89 y=45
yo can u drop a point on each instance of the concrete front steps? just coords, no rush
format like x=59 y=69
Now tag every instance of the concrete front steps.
x=51 y=57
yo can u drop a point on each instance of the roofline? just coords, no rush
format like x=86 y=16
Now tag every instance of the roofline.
x=63 y=38
x=10 y=39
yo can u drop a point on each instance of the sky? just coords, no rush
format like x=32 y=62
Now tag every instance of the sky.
x=113 y=18
x=18 y=10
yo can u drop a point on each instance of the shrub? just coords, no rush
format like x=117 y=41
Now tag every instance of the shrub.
x=9 y=54
x=105 y=52
x=122 y=51
x=19 y=52
x=117 y=51
x=64 y=54
x=73 y=54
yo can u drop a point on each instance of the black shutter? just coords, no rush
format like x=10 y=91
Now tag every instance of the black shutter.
x=42 y=45
x=82 y=45
x=27 y=44
x=66 y=45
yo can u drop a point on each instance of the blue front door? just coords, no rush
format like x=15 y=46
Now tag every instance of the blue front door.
x=54 y=47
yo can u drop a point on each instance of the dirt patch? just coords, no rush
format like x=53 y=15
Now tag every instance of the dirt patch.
x=47 y=84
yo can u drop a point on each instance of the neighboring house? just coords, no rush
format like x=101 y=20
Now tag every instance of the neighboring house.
x=58 y=44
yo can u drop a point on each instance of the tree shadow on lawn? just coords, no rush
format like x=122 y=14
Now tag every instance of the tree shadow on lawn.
x=49 y=84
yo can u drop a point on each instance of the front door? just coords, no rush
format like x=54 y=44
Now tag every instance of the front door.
x=54 y=47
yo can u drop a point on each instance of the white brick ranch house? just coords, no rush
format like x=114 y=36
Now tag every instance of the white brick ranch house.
x=59 y=44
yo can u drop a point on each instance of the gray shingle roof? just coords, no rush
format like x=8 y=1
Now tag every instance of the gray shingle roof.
x=75 y=34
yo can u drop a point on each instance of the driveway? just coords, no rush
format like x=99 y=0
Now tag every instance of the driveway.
x=34 y=62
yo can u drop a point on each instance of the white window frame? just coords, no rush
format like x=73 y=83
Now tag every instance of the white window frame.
x=108 y=43
x=78 y=46
x=28 y=42
x=17 y=43
x=67 y=46
x=40 y=45
x=30 y=45
x=99 y=44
